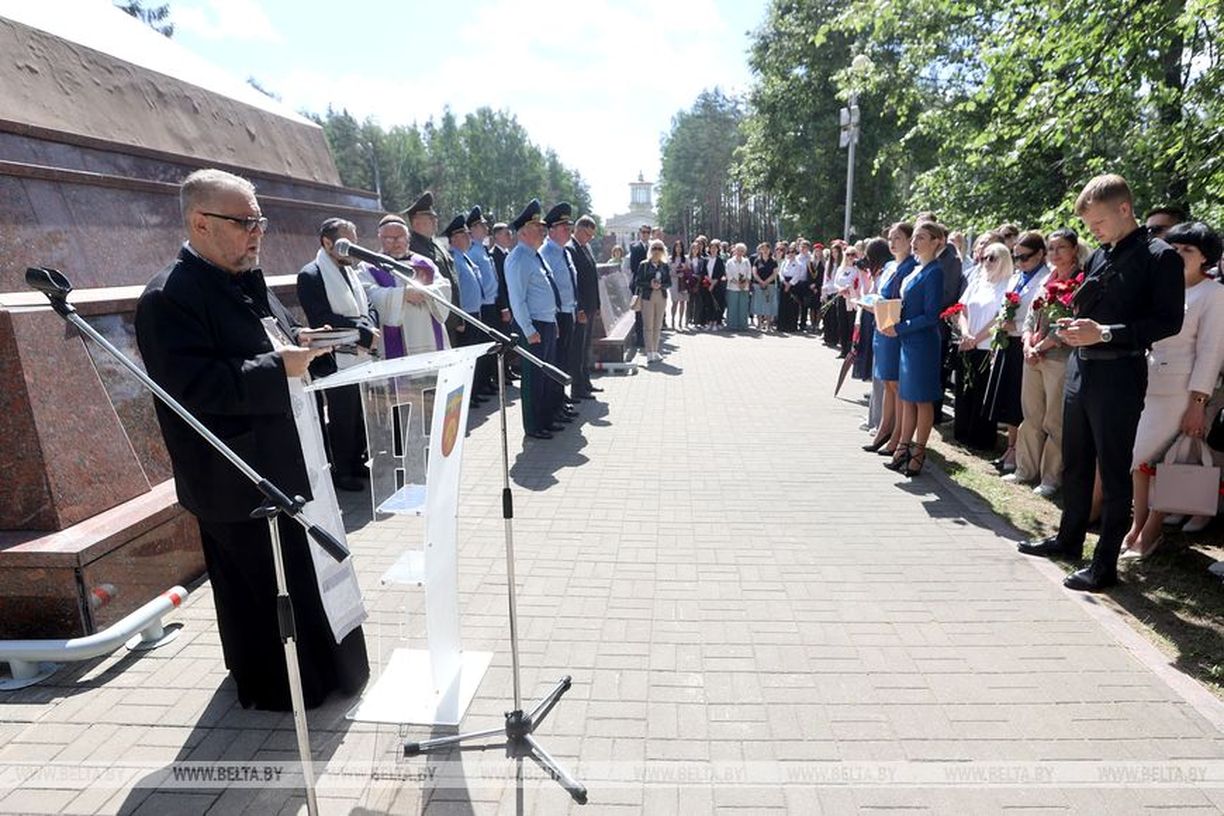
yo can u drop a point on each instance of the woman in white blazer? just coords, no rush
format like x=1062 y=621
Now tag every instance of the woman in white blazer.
x=1183 y=372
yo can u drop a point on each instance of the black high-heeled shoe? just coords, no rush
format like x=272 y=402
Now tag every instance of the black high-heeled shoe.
x=917 y=455
x=875 y=446
x=900 y=458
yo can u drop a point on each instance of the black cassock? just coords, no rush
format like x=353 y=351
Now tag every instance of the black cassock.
x=200 y=334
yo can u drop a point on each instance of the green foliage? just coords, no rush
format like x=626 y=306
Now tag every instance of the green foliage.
x=987 y=111
x=698 y=193
x=487 y=159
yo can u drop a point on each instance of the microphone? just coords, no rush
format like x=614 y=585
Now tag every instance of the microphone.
x=348 y=249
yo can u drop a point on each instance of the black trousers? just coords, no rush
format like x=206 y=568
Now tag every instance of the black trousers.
x=345 y=430
x=472 y=336
x=720 y=300
x=578 y=366
x=845 y=325
x=485 y=378
x=565 y=338
x=239 y=561
x=1102 y=401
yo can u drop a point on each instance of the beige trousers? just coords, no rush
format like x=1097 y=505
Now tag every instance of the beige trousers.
x=653 y=309
x=1039 y=443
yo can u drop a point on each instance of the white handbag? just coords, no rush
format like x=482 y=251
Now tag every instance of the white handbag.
x=1188 y=489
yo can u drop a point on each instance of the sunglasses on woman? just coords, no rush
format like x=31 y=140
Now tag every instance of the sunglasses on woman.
x=1024 y=258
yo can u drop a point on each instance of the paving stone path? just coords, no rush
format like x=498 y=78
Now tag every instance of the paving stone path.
x=757 y=616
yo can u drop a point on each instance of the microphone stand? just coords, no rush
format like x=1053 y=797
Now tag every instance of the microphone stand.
x=518 y=731
x=56 y=287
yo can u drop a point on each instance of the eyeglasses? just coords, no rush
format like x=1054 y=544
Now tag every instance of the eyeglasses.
x=1024 y=258
x=990 y=259
x=250 y=223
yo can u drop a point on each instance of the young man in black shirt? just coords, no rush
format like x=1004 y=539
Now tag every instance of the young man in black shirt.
x=1132 y=296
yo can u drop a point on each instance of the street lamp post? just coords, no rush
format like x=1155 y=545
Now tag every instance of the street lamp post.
x=849 y=115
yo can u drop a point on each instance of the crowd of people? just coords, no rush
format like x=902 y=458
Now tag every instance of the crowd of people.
x=1084 y=365
x=1100 y=367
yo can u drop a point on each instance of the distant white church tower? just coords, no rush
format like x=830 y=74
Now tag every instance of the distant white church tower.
x=641 y=211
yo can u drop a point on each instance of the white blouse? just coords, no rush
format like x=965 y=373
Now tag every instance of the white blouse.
x=1192 y=359
x=982 y=301
x=739 y=274
x=1028 y=294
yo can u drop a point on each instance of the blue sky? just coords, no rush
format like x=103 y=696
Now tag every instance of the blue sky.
x=598 y=80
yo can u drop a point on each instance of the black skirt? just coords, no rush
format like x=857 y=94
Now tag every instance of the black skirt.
x=1003 y=388
x=863 y=347
x=970 y=425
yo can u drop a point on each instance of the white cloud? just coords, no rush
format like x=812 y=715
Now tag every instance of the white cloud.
x=598 y=83
x=225 y=20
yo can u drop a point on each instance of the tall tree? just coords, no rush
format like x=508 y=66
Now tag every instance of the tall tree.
x=487 y=158
x=698 y=189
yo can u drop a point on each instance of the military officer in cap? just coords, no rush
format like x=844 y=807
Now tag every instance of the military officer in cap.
x=423 y=223
x=478 y=226
x=560 y=230
x=534 y=303
x=468 y=277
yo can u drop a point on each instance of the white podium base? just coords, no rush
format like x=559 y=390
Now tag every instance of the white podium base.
x=405 y=692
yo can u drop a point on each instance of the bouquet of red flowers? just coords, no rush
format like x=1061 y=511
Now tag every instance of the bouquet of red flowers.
x=707 y=283
x=690 y=281
x=949 y=314
x=1011 y=305
x=1058 y=298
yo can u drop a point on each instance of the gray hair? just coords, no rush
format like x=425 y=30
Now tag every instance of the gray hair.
x=202 y=185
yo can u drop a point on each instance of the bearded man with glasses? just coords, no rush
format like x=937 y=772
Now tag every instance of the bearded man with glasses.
x=212 y=334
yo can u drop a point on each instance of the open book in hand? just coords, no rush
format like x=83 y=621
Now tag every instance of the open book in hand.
x=330 y=338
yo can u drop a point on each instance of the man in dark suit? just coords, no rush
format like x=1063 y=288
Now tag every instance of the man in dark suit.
x=332 y=297
x=637 y=254
x=579 y=249
x=503 y=241
x=1133 y=295
x=204 y=326
x=423 y=222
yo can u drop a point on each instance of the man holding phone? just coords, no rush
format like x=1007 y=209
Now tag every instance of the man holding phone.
x=1133 y=295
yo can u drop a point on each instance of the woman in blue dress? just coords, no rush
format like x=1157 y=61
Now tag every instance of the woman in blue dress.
x=886 y=349
x=919 y=380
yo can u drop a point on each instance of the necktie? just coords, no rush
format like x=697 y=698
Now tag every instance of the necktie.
x=551 y=281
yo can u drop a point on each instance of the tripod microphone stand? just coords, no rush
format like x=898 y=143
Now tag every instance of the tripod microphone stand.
x=518 y=731
x=56 y=287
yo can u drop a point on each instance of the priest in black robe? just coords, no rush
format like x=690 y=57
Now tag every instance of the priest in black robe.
x=203 y=326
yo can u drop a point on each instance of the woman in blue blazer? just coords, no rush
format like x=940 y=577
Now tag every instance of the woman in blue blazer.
x=886 y=350
x=919 y=381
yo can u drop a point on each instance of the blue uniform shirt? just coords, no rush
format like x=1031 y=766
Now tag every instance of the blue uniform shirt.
x=469 y=282
x=488 y=274
x=554 y=253
x=531 y=295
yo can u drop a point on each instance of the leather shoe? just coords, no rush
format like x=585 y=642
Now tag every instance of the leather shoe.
x=539 y=434
x=1087 y=580
x=556 y=426
x=1048 y=548
x=595 y=389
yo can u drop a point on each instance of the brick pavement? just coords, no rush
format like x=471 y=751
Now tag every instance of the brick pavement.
x=738 y=591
